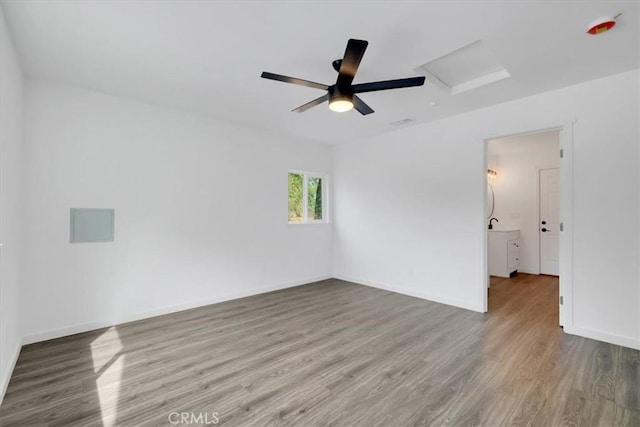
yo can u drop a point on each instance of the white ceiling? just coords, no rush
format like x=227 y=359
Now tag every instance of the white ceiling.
x=206 y=57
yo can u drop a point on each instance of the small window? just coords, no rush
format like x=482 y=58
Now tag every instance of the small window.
x=307 y=201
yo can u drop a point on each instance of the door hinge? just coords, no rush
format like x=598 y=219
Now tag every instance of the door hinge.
x=562 y=226
x=562 y=153
x=561 y=300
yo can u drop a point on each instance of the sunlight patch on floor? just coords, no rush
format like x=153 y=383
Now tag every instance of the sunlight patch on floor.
x=108 y=363
x=105 y=348
x=108 y=385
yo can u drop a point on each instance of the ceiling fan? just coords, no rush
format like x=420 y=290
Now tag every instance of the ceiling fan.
x=342 y=95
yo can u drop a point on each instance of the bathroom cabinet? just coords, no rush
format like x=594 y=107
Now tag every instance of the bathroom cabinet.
x=504 y=252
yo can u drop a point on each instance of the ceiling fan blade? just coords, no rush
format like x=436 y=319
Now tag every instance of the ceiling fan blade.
x=310 y=104
x=352 y=57
x=295 y=81
x=388 y=84
x=361 y=106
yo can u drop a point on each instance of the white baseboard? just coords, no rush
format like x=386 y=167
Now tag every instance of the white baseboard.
x=6 y=376
x=89 y=326
x=417 y=294
x=603 y=336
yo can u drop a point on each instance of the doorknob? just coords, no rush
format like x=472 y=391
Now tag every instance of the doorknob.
x=543 y=230
x=544 y=222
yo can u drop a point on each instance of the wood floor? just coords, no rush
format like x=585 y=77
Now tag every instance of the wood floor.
x=333 y=353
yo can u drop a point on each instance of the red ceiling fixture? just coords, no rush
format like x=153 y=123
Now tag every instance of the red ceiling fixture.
x=602 y=25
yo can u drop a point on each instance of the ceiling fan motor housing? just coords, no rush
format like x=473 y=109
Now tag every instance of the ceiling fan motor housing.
x=336 y=93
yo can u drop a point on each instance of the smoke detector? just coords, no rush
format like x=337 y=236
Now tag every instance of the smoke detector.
x=602 y=25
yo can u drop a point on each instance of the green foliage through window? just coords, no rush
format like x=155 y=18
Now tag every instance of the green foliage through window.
x=295 y=197
x=305 y=198
x=314 y=190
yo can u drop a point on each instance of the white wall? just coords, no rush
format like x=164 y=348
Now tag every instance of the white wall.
x=11 y=144
x=409 y=204
x=201 y=211
x=517 y=161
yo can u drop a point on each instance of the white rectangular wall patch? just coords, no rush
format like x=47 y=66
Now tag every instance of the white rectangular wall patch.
x=92 y=225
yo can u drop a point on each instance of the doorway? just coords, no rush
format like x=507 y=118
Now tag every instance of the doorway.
x=527 y=195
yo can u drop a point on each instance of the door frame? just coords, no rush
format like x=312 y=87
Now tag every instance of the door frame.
x=565 y=129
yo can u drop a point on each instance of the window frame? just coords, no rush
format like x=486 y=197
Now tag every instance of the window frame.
x=305 y=198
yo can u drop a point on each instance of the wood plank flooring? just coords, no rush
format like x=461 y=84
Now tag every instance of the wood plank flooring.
x=337 y=354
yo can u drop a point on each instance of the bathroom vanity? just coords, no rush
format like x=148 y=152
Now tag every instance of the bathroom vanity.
x=504 y=252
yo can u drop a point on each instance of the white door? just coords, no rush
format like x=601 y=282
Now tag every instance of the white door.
x=549 y=227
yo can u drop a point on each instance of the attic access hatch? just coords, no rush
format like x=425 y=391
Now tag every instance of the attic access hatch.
x=469 y=67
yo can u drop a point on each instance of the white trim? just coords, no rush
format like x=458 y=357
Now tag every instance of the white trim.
x=412 y=293
x=594 y=334
x=511 y=132
x=566 y=212
x=484 y=279
x=538 y=169
x=7 y=376
x=566 y=218
x=85 y=327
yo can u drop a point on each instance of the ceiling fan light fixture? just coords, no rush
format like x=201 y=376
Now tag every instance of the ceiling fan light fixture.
x=342 y=96
x=341 y=104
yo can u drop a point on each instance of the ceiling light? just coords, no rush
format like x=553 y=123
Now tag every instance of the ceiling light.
x=340 y=105
x=491 y=173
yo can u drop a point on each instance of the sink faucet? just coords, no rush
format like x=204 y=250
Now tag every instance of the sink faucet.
x=491 y=223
